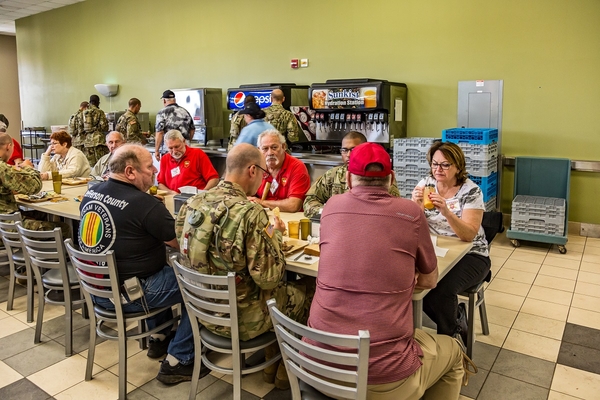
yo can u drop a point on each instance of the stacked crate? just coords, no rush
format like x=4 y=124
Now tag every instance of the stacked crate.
x=410 y=162
x=480 y=147
x=537 y=214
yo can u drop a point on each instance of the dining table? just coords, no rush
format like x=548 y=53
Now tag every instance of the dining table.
x=68 y=208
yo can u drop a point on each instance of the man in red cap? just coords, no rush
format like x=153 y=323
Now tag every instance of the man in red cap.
x=375 y=250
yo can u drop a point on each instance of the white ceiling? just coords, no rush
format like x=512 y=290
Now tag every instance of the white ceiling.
x=11 y=10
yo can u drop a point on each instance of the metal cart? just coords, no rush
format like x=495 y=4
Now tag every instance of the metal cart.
x=547 y=177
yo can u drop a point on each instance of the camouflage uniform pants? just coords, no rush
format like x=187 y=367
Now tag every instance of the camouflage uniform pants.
x=34 y=221
x=93 y=154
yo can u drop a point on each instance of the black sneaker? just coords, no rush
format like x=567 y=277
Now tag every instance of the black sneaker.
x=179 y=373
x=462 y=323
x=158 y=348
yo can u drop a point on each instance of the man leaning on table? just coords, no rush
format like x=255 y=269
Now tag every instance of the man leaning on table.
x=333 y=181
x=245 y=243
x=100 y=171
x=185 y=166
x=286 y=178
x=138 y=227
x=376 y=256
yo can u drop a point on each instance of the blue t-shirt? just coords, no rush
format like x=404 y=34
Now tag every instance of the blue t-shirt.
x=251 y=131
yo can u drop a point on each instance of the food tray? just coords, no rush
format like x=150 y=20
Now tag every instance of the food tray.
x=296 y=245
x=75 y=181
x=48 y=197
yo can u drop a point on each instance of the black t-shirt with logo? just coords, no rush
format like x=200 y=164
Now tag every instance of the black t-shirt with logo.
x=117 y=216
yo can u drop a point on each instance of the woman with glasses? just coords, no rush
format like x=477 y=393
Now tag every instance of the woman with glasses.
x=67 y=160
x=457 y=211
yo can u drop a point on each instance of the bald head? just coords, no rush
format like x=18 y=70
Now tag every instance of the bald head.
x=277 y=96
x=241 y=156
x=5 y=146
x=128 y=154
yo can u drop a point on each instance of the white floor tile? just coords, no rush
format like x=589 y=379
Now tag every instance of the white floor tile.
x=545 y=309
x=550 y=295
x=62 y=375
x=541 y=326
x=555 y=283
x=8 y=375
x=532 y=345
x=587 y=318
x=562 y=262
x=575 y=382
x=558 y=272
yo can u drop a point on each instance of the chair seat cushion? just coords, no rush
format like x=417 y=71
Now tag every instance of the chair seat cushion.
x=310 y=393
x=111 y=314
x=52 y=277
x=18 y=257
x=225 y=343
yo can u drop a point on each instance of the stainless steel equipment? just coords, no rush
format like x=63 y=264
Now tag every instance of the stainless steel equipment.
x=205 y=105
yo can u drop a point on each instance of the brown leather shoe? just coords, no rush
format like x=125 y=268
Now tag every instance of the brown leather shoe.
x=282 y=381
x=269 y=373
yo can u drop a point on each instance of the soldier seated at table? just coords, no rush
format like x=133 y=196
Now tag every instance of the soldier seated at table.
x=113 y=141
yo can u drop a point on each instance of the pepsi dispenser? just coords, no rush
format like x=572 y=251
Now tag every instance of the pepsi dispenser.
x=296 y=100
x=374 y=107
x=205 y=105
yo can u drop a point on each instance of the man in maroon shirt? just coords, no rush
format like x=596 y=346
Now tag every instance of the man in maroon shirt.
x=185 y=166
x=375 y=250
x=286 y=181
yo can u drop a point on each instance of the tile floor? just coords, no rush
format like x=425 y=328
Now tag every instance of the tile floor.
x=544 y=342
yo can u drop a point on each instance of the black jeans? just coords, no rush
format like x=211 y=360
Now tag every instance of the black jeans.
x=441 y=303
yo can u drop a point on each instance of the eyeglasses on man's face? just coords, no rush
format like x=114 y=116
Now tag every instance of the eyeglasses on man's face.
x=265 y=172
x=445 y=166
x=346 y=150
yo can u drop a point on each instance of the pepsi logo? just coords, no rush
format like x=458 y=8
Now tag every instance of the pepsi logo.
x=239 y=98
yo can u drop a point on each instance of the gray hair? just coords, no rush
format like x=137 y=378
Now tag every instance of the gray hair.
x=119 y=134
x=128 y=154
x=384 y=181
x=270 y=132
x=174 y=134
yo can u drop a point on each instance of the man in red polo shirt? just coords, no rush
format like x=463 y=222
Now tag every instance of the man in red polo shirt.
x=185 y=166
x=286 y=181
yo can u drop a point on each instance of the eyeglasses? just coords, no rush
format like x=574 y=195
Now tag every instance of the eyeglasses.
x=345 y=150
x=54 y=143
x=259 y=167
x=445 y=166
x=274 y=147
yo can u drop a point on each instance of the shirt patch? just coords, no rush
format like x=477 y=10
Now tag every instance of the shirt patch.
x=96 y=229
x=186 y=164
x=283 y=181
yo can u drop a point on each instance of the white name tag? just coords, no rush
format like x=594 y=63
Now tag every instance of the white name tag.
x=174 y=172
x=274 y=186
x=453 y=205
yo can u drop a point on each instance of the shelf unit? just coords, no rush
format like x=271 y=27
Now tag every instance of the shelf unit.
x=34 y=142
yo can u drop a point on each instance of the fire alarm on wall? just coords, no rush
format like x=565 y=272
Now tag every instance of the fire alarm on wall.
x=294 y=63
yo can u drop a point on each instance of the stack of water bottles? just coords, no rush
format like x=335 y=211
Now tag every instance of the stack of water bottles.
x=410 y=162
x=480 y=147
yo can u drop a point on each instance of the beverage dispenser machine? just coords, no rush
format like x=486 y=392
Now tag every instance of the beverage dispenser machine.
x=374 y=107
x=205 y=105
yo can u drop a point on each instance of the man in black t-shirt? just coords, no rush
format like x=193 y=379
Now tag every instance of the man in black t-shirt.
x=119 y=215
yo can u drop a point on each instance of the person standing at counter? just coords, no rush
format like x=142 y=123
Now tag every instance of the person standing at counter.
x=286 y=179
x=185 y=166
x=171 y=117
x=76 y=126
x=457 y=211
x=255 y=124
x=333 y=181
x=113 y=141
x=95 y=126
x=376 y=255
x=238 y=123
x=67 y=160
x=283 y=120
x=129 y=125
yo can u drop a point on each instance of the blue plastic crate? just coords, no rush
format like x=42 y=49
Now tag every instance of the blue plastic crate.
x=488 y=185
x=470 y=135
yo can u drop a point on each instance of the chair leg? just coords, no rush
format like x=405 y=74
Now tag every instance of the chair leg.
x=68 y=327
x=122 y=365
x=30 y=280
x=11 y=289
x=471 y=325
x=92 y=349
x=483 y=313
x=195 y=376
x=237 y=377
x=37 y=338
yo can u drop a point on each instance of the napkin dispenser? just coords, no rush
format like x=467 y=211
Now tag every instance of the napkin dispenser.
x=179 y=199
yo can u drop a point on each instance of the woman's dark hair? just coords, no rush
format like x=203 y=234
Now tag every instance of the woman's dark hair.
x=454 y=155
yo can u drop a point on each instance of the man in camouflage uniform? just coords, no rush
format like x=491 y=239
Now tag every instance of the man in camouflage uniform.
x=333 y=181
x=23 y=179
x=76 y=127
x=238 y=123
x=129 y=125
x=221 y=231
x=171 y=117
x=283 y=120
x=95 y=126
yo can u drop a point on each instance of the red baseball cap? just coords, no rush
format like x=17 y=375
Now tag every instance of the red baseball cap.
x=369 y=153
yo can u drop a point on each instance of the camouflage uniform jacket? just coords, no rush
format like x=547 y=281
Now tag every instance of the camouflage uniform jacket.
x=284 y=121
x=329 y=184
x=130 y=127
x=237 y=124
x=221 y=231
x=95 y=126
x=76 y=129
x=24 y=180
x=174 y=117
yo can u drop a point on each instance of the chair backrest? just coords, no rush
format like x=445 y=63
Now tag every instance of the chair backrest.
x=492 y=224
x=209 y=298
x=8 y=231
x=97 y=275
x=339 y=370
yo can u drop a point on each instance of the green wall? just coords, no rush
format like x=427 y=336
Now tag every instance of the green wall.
x=546 y=51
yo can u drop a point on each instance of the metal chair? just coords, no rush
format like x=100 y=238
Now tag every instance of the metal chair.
x=492 y=225
x=46 y=258
x=212 y=299
x=98 y=276
x=18 y=266
x=339 y=371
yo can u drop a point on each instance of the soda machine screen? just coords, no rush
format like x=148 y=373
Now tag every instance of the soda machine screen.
x=235 y=99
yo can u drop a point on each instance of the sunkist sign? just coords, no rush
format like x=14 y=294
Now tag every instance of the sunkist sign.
x=340 y=98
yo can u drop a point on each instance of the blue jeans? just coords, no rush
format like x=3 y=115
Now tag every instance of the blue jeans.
x=161 y=290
